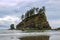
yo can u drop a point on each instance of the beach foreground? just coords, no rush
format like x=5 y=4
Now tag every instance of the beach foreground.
x=35 y=38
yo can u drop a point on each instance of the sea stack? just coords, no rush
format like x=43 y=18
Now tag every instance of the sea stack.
x=33 y=21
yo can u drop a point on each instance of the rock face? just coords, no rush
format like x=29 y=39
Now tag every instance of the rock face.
x=37 y=21
x=34 y=22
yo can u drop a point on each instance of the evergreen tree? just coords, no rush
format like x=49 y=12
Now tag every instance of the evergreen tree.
x=37 y=9
x=22 y=17
x=32 y=11
x=40 y=11
x=43 y=8
x=27 y=14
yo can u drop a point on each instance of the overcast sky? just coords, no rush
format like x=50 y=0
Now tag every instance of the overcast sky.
x=11 y=10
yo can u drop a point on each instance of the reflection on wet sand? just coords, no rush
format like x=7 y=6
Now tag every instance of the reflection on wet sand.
x=35 y=38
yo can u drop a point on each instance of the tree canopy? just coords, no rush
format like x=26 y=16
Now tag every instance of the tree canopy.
x=32 y=12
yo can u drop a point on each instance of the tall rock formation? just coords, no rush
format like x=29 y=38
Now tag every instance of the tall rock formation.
x=34 y=22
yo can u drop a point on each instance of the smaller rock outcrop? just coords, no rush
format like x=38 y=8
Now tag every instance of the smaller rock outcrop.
x=12 y=27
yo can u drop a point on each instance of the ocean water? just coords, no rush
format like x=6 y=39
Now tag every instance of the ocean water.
x=16 y=34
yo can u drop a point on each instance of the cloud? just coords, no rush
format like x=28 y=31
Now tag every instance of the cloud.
x=55 y=23
x=53 y=1
x=7 y=20
x=11 y=10
x=6 y=3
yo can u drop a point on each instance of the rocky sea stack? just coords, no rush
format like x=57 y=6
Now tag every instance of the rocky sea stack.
x=34 y=19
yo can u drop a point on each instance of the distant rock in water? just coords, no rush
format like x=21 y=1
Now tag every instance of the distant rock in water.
x=12 y=27
x=33 y=21
x=57 y=29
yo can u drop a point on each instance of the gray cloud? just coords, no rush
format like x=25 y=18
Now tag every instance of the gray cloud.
x=18 y=7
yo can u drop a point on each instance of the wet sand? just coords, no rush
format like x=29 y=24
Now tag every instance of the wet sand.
x=35 y=38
